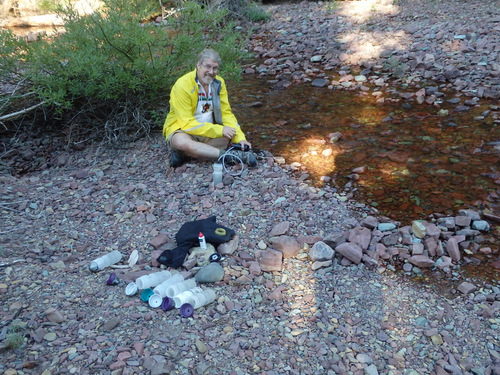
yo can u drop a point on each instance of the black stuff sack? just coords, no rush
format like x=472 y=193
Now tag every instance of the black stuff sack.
x=187 y=237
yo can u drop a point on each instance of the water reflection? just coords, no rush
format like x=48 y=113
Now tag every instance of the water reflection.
x=411 y=161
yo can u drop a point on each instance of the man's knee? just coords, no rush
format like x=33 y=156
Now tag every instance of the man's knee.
x=182 y=142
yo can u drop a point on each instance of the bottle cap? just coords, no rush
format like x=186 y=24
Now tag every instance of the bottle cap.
x=93 y=267
x=146 y=293
x=155 y=301
x=112 y=280
x=200 y=235
x=186 y=310
x=167 y=304
x=131 y=289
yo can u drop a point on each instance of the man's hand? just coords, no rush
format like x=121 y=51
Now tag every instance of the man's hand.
x=245 y=143
x=228 y=132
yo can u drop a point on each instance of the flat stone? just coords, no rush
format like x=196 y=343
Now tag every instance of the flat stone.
x=421 y=261
x=466 y=288
x=280 y=229
x=289 y=246
x=453 y=249
x=360 y=236
x=351 y=251
x=271 y=260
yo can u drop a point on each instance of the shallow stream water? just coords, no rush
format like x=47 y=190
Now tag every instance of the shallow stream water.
x=414 y=161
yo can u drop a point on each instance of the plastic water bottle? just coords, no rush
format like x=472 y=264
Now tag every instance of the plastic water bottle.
x=217 y=173
x=105 y=261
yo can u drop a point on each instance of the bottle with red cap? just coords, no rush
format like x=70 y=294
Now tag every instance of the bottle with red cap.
x=203 y=243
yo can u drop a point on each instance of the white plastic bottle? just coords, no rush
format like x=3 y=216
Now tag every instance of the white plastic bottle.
x=217 y=173
x=185 y=297
x=177 y=288
x=161 y=289
x=105 y=261
x=202 y=298
x=153 y=279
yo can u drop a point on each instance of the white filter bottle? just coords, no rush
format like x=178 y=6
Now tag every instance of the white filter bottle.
x=105 y=261
x=161 y=289
x=202 y=298
x=185 y=297
x=177 y=288
x=153 y=279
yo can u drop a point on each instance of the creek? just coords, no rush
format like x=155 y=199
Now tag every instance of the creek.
x=414 y=161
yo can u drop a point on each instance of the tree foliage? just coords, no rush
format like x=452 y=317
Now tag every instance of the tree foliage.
x=112 y=69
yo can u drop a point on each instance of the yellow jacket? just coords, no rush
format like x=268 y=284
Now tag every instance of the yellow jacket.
x=183 y=102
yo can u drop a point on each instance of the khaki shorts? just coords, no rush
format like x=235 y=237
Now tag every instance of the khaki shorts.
x=197 y=138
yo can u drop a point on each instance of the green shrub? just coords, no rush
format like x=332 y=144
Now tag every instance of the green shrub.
x=113 y=67
x=256 y=13
x=15 y=335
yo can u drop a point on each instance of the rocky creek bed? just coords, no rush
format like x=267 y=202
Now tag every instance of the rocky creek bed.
x=314 y=284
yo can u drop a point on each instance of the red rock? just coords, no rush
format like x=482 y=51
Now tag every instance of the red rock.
x=370 y=222
x=431 y=245
x=360 y=236
x=431 y=230
x=155 y=255
x=159 y=240
x=351 y=251
x=276 y=295
x=229 y=247
x=117 y=365
x=254 y=268
x=271 y=260
x=462 y=221
x=421 y=261
x=139 y=348
x=280 y=229
x=453 y=249
x=123 y=356
x=310 y=240
x=466 y=288
x=289 y=246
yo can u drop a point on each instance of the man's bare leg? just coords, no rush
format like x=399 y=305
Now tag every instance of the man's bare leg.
x=211 y=150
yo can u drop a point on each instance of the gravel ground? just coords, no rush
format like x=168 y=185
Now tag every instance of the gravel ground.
x=59 y=318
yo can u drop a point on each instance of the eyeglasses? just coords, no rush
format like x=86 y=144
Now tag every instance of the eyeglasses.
x=209 y=68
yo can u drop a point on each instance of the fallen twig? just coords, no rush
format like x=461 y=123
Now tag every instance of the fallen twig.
x=10 y=116
x=13 y=262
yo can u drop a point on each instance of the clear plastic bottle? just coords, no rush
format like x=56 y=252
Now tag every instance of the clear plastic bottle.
x=105 y=261
x=217 y=173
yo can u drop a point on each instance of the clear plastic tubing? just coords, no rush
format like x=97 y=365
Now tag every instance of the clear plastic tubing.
x=161 y=289
x=185 y=297
x=153 y=279
x=105 y=261
x=202 y=298
x=177 y=288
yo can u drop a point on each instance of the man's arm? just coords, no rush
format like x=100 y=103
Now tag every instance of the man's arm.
x=228 y=118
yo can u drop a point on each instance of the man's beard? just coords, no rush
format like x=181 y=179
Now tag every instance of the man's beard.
x=207 y=80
